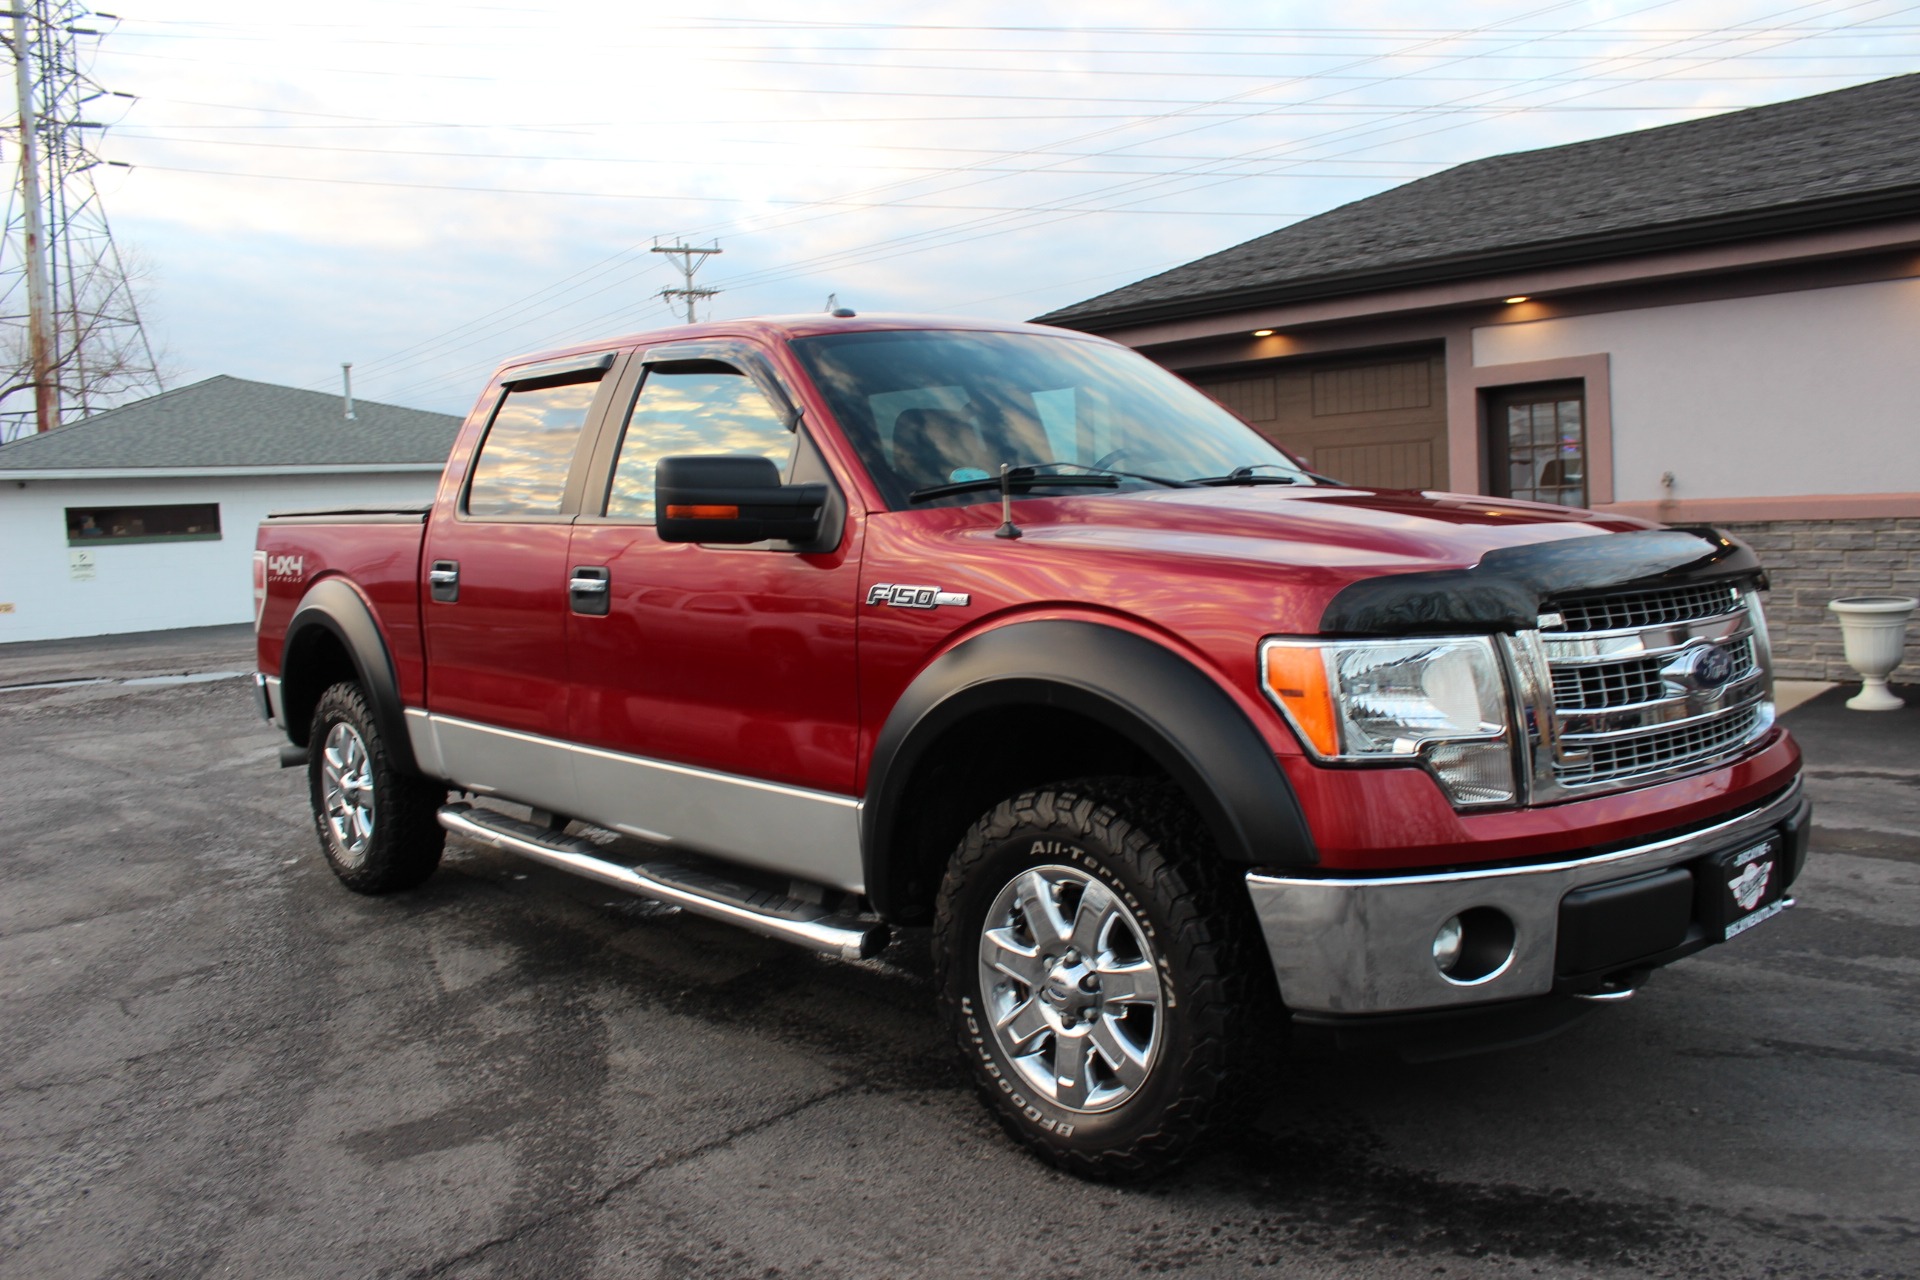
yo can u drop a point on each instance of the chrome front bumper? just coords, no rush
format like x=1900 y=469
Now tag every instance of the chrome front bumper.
x=1359 y=946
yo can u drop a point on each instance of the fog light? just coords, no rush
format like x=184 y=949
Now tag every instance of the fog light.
x=1474 y=946
x=1447 y=944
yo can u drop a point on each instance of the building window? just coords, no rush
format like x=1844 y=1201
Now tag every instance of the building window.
x=1537 y=443
x=175 y=522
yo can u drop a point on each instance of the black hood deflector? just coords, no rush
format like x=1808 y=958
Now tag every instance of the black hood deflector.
x=1505 y=590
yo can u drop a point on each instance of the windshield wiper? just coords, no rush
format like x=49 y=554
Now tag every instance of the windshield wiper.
x=1249 y=475
x=1131 y=475
x=1016 y=478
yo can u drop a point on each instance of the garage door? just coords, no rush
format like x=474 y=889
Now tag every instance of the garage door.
x=1379 y=423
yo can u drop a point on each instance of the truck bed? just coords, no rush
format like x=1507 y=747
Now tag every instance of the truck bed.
x=374 y=550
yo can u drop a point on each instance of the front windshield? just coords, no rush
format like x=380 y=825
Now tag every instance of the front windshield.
x=925 y=408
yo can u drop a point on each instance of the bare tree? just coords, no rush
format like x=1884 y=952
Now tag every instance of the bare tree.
x=101 y=355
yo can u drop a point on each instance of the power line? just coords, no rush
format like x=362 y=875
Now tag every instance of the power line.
x=1111 y=190
x=963 y=232
x=623 y=195
x=459 y=333
x=80 y=346
x=643 y=161
x=657 y=24
x=1031 y=216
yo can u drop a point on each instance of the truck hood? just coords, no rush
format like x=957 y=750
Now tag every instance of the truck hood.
x=1377 y=531
x=1388 y=561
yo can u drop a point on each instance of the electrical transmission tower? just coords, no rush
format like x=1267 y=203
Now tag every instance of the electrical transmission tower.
x=71 y=341
x=689 y=260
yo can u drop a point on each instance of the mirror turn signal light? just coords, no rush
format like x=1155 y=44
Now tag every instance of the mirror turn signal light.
x=703 y=512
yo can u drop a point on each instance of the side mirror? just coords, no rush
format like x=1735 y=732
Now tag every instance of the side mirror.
x=733 y=500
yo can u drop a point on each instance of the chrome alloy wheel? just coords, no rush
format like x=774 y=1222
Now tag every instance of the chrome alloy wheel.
x=1072 y=988
x=348 y=774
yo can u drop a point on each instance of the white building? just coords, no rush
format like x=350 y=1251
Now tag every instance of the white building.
x=142 y=518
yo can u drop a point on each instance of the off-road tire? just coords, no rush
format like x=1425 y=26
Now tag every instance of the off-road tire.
x=398 y=845
x=1143 y=842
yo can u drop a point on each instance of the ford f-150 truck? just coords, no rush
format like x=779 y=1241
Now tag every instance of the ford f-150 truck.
x=827 y=625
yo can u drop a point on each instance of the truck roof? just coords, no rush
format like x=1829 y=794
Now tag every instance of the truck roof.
x=805 y=325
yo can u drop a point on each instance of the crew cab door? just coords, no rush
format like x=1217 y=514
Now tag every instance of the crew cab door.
x=715 y=683
x=494 y=608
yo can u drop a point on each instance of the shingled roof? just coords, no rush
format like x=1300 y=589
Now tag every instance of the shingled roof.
x=232 y=422
x=1836 y=159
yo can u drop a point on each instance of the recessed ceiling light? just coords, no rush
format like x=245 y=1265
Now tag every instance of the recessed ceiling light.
x=1520 y=297
x=1263 y=333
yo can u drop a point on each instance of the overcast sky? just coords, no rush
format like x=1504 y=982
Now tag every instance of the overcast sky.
x=424 y=188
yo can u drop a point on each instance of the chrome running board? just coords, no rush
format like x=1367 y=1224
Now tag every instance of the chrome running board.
x=771 y=915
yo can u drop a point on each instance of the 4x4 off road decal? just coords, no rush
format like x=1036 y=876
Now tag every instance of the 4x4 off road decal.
x=291 y=568
x=902 y=596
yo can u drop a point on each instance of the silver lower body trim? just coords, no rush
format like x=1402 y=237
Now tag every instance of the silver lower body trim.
x=812 y=835
x=850 y=939
x=1366 y=945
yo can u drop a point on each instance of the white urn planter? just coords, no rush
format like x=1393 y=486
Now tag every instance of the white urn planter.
x=1874 y=629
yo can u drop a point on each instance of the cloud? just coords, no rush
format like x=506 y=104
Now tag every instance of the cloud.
x=425 y=188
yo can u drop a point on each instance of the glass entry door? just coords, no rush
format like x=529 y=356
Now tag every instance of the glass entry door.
x=1537 y=443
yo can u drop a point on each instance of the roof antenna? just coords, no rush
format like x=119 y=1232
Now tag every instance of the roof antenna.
x=1007 y=529
x=833 y=308
x=346 y=385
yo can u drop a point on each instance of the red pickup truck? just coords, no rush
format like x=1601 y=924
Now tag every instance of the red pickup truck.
x=825 y=625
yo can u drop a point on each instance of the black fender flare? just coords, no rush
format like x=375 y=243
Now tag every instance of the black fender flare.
x=1146 y=692
x=333 y=607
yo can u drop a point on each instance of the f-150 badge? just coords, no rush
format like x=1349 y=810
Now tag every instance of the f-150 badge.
x=903 y=596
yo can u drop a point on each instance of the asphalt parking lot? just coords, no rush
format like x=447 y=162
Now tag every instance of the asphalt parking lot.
x=219 y=1062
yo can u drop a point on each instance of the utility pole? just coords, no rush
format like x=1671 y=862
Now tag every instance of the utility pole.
x=46 y=402
x=689 y=260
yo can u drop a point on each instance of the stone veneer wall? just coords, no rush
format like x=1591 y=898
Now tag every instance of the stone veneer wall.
x=1813 y=561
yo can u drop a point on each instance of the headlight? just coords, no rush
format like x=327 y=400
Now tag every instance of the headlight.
x=1441 y=701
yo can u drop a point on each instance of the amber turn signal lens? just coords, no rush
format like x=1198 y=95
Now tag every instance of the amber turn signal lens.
x=703 y=513
x=1297 y=676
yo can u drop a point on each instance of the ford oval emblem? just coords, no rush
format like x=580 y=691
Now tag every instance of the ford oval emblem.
x=1712 y=668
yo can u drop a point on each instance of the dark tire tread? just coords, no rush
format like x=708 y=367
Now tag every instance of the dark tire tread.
x=407 y=838
x=1155 y=840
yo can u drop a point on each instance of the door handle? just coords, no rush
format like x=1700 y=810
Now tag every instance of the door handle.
x=589 y=588
x=443 y=581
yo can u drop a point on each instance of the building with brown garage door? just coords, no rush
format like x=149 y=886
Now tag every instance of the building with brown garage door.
x=1716 y=321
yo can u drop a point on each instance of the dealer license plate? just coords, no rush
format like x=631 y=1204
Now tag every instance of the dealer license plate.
x=1752 y=885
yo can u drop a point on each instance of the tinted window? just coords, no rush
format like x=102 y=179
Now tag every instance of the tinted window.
x=523 y=463
x=705 y=411
x=930 y=407
x=171 y=523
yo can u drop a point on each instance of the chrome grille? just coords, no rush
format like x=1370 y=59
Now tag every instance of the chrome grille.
x=1656 y=752
x=1597 y=686
x=1630 y=690
x=1653 y=607
x=1614 y=684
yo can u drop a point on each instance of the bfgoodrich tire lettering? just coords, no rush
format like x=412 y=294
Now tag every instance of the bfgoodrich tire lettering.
x=1087 y=926
x=377 y=825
